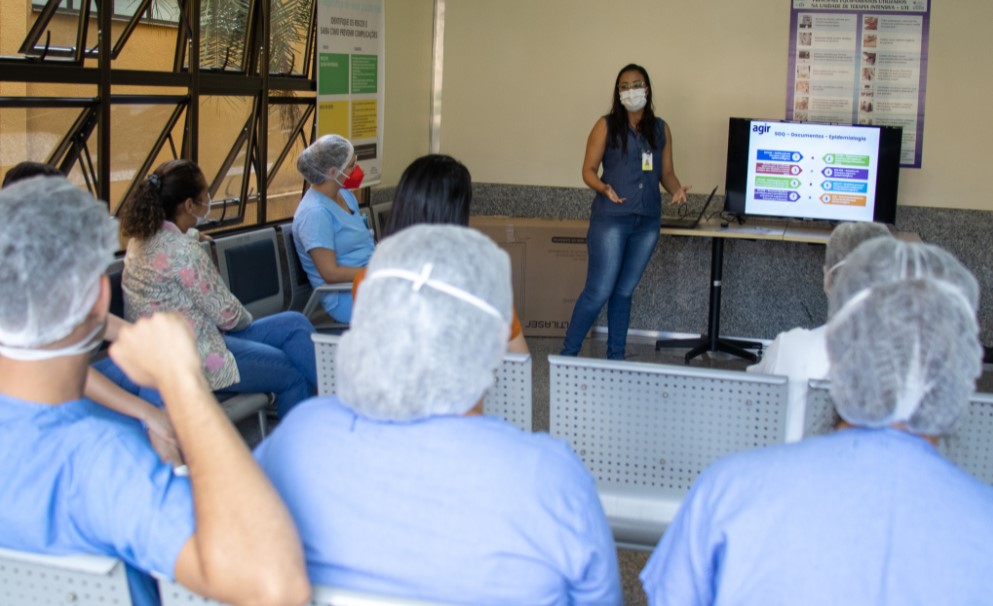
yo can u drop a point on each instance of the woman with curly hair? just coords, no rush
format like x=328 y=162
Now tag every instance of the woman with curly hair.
x=166 y=269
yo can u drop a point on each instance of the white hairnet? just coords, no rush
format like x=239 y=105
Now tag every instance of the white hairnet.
x=884 y=260
x=419 y=349
x=846 y=237
x=905 y=352
x=329 y=151
x=56 y=242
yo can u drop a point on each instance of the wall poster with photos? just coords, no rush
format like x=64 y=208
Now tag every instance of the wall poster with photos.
x=861 y=62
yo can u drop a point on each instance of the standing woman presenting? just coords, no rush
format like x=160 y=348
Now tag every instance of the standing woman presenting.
x=635 y=149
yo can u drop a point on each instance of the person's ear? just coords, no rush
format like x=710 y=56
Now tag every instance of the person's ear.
x=101 y=307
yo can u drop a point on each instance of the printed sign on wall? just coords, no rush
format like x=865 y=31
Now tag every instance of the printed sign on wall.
x=861 y=62
x=351 y=44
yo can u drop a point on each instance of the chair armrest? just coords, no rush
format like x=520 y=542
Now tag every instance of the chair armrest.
x=325 y=288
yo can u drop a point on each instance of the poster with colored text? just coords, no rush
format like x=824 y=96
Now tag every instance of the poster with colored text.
x=351 y=45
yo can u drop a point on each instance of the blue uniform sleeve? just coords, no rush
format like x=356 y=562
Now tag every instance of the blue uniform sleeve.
x=600 y=582
x=125 y=499
x=591 y=565
x=315 y=229
x=683 y=566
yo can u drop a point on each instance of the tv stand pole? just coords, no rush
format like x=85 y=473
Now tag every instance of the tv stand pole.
x=712 y=340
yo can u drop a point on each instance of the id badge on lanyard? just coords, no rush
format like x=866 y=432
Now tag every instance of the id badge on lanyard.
x=646 y=161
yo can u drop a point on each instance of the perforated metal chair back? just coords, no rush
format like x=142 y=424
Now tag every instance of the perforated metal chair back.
x=658 y=426
x=970 y=445
x=646 y=431
x=510 y=398
x=819 y=416
x=28 y=579
x=325 y=350
x=249 y=265
x=174 y=594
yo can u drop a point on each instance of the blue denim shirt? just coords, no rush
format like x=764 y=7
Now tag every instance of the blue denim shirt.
x=623 y=172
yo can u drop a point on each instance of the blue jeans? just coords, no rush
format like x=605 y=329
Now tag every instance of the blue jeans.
x=619 y=248
x=112 y=371
x=275 y=354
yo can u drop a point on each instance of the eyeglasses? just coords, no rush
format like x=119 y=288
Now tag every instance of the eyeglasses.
x=637 y=84
x=208 y=203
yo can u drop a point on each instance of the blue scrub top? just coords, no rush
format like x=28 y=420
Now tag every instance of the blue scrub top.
x=320 y=223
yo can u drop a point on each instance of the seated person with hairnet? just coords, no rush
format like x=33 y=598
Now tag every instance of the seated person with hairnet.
x=800 y=353
x=873 y=514
x=106 y=384
x=331 y=236
x=400 y=485
x=78 y=478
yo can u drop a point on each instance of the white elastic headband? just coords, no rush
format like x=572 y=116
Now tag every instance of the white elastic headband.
x=424 y=279
x=834 y=267
x=34 y=354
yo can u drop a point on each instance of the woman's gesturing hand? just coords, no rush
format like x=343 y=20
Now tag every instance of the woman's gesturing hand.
x=612 y=195
x=679 y=197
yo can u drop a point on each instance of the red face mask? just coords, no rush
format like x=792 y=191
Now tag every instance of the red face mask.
x=354 y=180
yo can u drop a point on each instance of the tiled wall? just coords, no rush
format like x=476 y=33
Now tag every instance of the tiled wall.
x=768 y=286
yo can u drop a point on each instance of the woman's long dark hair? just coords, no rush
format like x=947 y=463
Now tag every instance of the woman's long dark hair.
x=434 y=189
x=617 y=119
x=28 y=169
x=157 y=197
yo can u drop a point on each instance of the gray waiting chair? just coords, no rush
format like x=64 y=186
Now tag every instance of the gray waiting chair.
x=174 y=594
x=237 y=406
x=29 y=579
x=970 y=445
x=303 y=297
x=510 y=398
x=646 y=431
x=249 y=265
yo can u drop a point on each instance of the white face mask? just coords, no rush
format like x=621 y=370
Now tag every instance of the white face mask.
x=204 y=219
x=634 y=99
x=29 y=354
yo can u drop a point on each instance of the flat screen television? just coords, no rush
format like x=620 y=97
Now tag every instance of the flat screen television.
x=832 y=172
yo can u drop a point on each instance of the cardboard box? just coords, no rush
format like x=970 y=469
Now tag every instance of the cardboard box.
x=548 y=266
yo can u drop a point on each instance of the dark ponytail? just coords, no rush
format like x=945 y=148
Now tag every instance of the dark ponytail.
x=157 y=198
x=434 y=189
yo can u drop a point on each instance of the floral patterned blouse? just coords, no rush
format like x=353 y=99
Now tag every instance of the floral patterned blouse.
x=171 y=271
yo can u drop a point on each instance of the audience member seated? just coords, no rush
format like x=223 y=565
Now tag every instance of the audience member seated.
x=890 y=260
x=105 y=383
x=166 y=269
x=27 y=169
x=400 y=485
x=78 y=478
x=800 y=353
x=437 y=189
x=868 y=515
x=330 y=234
